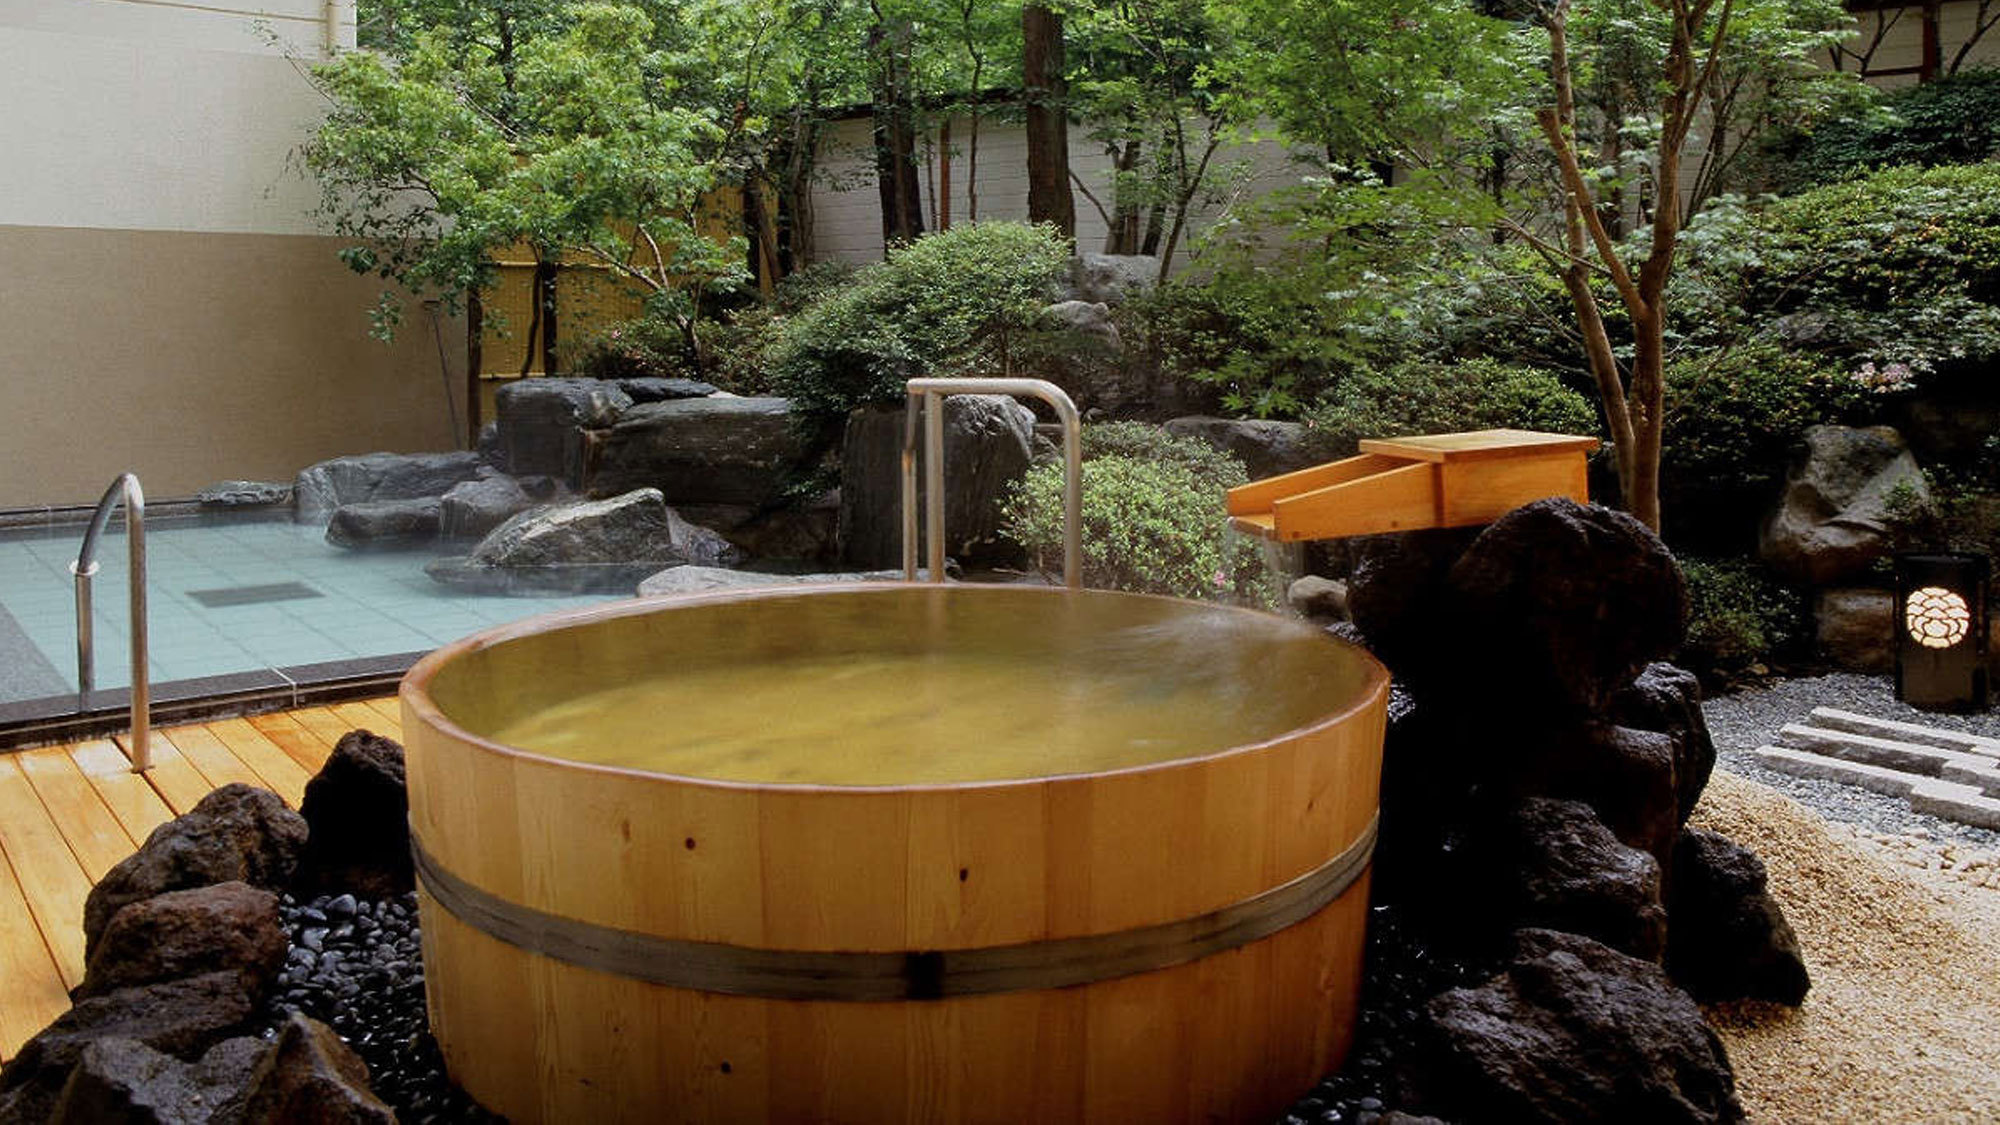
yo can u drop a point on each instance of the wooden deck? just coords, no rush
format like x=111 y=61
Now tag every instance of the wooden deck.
x=69 y=813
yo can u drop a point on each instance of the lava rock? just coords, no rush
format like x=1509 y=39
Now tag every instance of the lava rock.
x=1729 y=939
x=311 y=1077
x=988 y=446
x=603 y=545
x=236 y=833
x=182 y=1018
x=1833 y=519
x=473 y=508
x=123 y=1080
x=221 y=927
x=1626 y=776
x=1562 y=604
x=1395 y=597
x=650 y=389
x=1667 y=699
x=1266 y=448
x=1574 y=1031
x=1556 y=866
x=357 y=811
x=386 y=523
x=321 y=488
x=244 y=494
x=542 y=423
x=719 y=450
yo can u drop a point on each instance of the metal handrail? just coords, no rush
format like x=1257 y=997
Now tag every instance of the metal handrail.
x=125 y=488
x=930 y=394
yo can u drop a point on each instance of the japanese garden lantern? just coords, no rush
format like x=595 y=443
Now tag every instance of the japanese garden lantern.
x=1940 y=628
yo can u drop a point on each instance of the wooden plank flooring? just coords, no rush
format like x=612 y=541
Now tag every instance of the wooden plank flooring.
x=69 y=813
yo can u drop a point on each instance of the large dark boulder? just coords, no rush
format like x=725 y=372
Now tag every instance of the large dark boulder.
x=1854 y=628
x=1626 y=776
x=236 y=833
x=541 y=424
x=800 y=532
x=386 y=523
x=1396 y=598
x=586 y=545
x=1560 y=604
x=1667 y=699
x=124 y=1081
x=1266 y=448
x=988 y=446
x=1553 y=864
x=1111 y=278
x=220 y=927
x=651 y=389
x=308 y=1077
x=1573 y=1031
x=720 y=450
x=1834 y=518
x=358 y=812
x=475 y=507
x=1728 y=938
x=321 y=488
x=182 y=1018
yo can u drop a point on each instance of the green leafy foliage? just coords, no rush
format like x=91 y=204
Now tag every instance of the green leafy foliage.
x=1738 y=616
x=1421 y=397
x=944 y=304
x=1954 y=120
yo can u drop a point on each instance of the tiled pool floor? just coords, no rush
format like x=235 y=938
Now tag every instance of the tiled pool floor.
x=345 y=604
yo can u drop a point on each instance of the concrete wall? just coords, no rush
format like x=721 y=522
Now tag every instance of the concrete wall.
x=168 y=305
x=1902 y=40
x=847 y=211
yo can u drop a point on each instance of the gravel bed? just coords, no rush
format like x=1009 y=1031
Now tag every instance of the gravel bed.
x=1744 y=720
x=355 y=965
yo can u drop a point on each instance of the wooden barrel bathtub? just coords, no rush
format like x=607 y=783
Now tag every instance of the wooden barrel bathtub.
x=1178 y=940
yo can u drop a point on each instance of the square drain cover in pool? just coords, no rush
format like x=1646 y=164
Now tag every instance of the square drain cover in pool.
x=254 y=595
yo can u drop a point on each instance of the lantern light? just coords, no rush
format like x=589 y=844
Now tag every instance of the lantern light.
x=1941 y=638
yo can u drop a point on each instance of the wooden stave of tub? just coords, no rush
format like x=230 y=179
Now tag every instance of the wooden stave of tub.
x=1232 y=1036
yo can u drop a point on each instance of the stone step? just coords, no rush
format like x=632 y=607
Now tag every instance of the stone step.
x=1929 y=761
x=1832 y=718
x=1950 y=800
x=1985 y=778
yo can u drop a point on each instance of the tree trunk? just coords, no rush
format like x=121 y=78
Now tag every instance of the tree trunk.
x=896 y=137
x=475 y=364
x=545 y=292
x=1124 y=233
x=1049 y=198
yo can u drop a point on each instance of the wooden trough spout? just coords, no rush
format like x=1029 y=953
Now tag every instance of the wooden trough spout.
x=1410 y=483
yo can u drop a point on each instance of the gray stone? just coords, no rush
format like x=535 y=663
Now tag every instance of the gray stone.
x=386 y=523
x=1855 y=628
x=488 y=447
x=701 y=546
x=1574 y=1031
x=124 y=1081
x=1266 y=448
x=988 y=446
x=475 y=507
x=244 y=494
x=1110 y=278
x=806 y=532
x=696 y=579
x=587 y=545
x=1833 y=520
x=236 y=833
x=1667 y=700
x=321 y=488
x=1561 y=604
x=221 y=927
x=716 y=450
x=357 y=811
x=1318 y=598
x=651 y=389
x=1556 y=865
x=182 y=1018
x=542 y=424
x=1092 y=320
x=308 y=1077
x=1728 y=938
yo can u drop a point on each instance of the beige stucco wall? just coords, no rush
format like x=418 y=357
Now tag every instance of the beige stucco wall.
x=167 y=302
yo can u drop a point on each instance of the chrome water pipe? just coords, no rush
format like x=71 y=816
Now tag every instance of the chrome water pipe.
x=125 y=488
x=928 y=395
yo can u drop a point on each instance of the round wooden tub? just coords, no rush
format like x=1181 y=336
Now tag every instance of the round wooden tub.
x=1173 y=940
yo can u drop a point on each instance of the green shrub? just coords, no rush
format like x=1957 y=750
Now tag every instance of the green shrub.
x=944 y=304
x=1739 y=615
x=1265 y=341
x=1733 y=419
x=1152 y=517
x=1954 y=120
x=1434 y=398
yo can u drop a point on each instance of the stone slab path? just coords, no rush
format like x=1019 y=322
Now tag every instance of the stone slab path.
x=1945 y=773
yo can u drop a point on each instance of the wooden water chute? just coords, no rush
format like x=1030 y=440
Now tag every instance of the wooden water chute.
x=1410 y=483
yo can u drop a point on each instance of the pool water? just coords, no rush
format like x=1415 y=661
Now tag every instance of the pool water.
x=228 y=597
